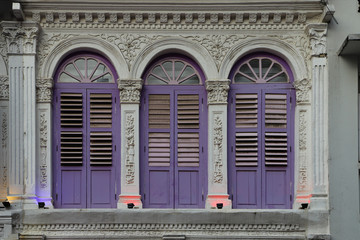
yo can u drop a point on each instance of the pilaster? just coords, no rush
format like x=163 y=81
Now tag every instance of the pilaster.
x=317 y=35
x=130 y=161
x=217 y=91
x=21 y=41
x=4 y=136
x=43 y=153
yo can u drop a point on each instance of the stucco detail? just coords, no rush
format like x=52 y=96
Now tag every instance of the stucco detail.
x=4 y=88
x=130 y=151
x=302 y=91
x=4 y=146
x=130 y=91
x=218 y=148
x=20 y=39
x=317 y=35
x=43 y=150
x=44 y=90
x=217 y=91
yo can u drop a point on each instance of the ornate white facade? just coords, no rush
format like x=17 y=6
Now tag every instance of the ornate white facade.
x=131 y=36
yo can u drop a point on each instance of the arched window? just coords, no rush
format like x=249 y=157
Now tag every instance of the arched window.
x=173 y=134
x=261 y=132
x=86 y=133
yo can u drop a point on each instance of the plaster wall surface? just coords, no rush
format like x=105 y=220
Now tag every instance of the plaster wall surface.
x=343 y=125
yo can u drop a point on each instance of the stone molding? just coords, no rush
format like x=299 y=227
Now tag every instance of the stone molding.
x=130 y=90
x=20 y=38
x=218 y=175
x=303 y=88
x=170 y=20
x=4 y=88
x=217 y=91
x=130 y=148
x=44 y=90
x=43 y=150
x=317 y=34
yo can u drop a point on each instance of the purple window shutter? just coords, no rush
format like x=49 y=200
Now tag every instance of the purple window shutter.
x=261 y=115
x=174 y=127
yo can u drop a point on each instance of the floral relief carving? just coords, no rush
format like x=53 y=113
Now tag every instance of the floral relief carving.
x=44 y=90
x=217 y=91
x=20 y=39
x=129 y=91
x=218 y=45
x=43 y=150
x=303 y=180
x=302 y=90
x=130 y=149
x=3 y=50
x=218 y=150
x=317 y=35
x=4 y=137
x=301 y=42
x=302 y=130
x=4 y=87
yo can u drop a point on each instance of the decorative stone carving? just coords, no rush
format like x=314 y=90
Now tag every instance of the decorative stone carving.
x=302 y=18
x=4 y=88
x=218 y=150
x=163 y=18
x=88 y=17
x=139 y=18
x=218 y=45
x=101 y=17
x=289 y=17
x=4 y=131
x=252 y=18
x=302 y=90
x=151 y=17
x=36 y=17
x=214 y=18
x=126 y=18
x=301 y=42
x=49 y=17
x=130 y=91
x=3 y=50
x=21 y=38
x=176 y=18
x=43 y=150
x=201 y=17
x=303 y=173
x=113 y=18
x=75 y=17
x=188 y=17
x=62 y=17
x=317 y=35
x=217 y=91
x=239 y=18
x=44 y=90
x=302 y=130
x=226 y=17
x=130 y=149
x=265 y=17
x=277 y=18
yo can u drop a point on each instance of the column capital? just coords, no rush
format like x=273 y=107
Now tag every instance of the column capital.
x=217 y=90
x=4 y=88
x=130 y=90
x=302 y=87
x=317 y=34
x=20 y=37
x=43 y=90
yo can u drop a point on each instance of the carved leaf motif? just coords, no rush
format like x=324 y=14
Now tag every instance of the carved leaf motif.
x=130 y=146
x=218 y=161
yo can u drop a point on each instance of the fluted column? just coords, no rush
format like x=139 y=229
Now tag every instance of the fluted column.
x=21 y=43
x=4 y=135
x=217 y=91
x=43 y=127
x=317 y=35
x=130 y=160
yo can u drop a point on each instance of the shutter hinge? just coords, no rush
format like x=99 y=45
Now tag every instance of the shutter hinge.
x=290 y=148
x=115 y=99
x=202 y=194
x=202 y=149
x=144 y=148
x=115 y=196
x=232 y=148
x=56 y=196
x=144 y=196
x=115 y=147
x=57 y=147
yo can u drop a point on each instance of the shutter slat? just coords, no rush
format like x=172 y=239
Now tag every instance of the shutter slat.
x=71 y=148
x=246 y=110
x=100 y=110
x=275 y=110
x=276 y=149
x=159 y=111
x=159 y=149
x=246 y=149
x=188 y=149
x=188 y=111
x=71 y=110
x=101 y=148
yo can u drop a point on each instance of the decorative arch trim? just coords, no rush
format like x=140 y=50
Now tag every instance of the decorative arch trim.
x=179 y=46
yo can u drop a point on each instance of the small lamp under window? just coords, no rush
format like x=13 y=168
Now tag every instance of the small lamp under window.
x=219 y=205
x=130 y=205
x=6 y=204
x=41 y=204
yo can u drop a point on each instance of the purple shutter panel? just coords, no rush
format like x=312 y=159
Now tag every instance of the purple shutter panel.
x=174 y=130
x=277 y=139
x=70 y=135
x=85 y=142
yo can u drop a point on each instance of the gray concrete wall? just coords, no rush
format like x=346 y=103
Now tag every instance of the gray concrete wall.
x=343 y=125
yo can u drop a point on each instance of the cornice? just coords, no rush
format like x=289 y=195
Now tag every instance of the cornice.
x=167 y=5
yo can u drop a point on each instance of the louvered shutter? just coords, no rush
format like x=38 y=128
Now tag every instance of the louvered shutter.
x=188 y=169
x=70 y=129
x=276 y=153
x=246 y=169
